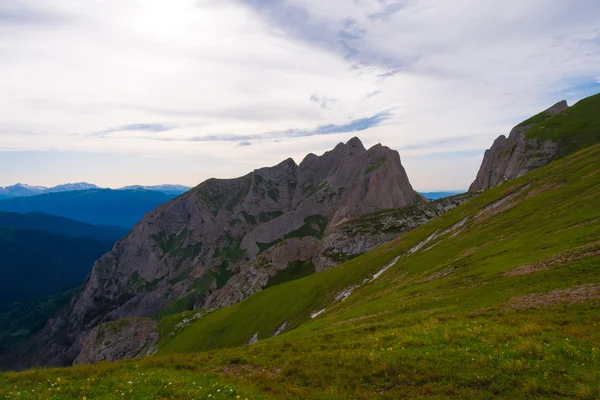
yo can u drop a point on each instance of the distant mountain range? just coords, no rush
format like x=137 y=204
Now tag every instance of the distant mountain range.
x=23 y=190
x=121 y=208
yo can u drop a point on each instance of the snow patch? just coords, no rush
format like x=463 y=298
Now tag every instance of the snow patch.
x=280 y=329
x=343 y=295
x=438 y=234
x=317 y=313
x=253 y=339
x=381 y=271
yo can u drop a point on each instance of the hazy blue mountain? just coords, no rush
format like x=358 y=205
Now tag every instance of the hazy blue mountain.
x=61 y=226
x=168 y=189
x=36 y=264
x=20 y=190
x=440 y=195
x=97 y=206
x=23 y=190
x=69 y=187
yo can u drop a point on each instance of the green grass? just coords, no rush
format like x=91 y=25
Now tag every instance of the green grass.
x=441 y=323
x=573 y=130
x=295 y=270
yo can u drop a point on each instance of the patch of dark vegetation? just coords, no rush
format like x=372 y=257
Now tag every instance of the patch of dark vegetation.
x=230 y=248
x=224 y=195
x=314 y=226
x=295 y=270
x=375 y=166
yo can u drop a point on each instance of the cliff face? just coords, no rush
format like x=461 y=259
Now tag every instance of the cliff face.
x=186 y=250
x=512 y=157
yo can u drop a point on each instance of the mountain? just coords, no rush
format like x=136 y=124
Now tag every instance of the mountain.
x=61 y=226
x=186 y=250
x=497 y=298
x=70 y=187
x=550 y=135
x=36 y=263
x=174 y=190
x=43 y=258
x=440 y=195
x=20 y=190
x=97 y=206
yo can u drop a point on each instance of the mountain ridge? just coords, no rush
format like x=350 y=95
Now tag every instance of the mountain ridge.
x=24 y=190
x=552 y=134
x=193 y=244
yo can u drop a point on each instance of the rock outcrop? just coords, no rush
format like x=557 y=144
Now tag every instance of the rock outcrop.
x=119 y=340
x=299 y=257
x=369 y=231
x=512 y=157
x=189 y=248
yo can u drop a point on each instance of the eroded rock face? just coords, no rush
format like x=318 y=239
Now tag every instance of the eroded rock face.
x=190 y=247
x=119 y=340
x=365 y=233
x=512 y=157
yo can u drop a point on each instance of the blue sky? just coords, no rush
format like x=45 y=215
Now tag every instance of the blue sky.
x=121 y=92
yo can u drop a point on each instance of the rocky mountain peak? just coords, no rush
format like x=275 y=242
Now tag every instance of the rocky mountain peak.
x=558 y=108
x=512 y=157
x=189 y=248
x=355 y=143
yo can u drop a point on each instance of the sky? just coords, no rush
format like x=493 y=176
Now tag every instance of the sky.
x=119 y=92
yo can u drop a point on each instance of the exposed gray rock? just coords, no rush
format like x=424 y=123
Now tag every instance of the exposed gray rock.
x=369 y=231
x=192 y=246
x=512 y=157
x=255 y=275
x=118 y=340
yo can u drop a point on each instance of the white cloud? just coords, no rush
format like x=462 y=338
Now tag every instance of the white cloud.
x=242 y=69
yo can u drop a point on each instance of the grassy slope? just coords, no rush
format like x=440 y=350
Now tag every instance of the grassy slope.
x=573 y=130
x=438 y=324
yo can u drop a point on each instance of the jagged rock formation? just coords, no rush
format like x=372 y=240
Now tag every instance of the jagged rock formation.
x=369 y=231
x=300 y=257
x=512 y=157
x=119 y=340
x=192 y=246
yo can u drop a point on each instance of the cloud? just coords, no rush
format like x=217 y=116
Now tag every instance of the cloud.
x=19 y=13
x=288 y=76
x=323 y=102
x=244 y=144
x=389 y=9
x=151 y=128
x=357 y=125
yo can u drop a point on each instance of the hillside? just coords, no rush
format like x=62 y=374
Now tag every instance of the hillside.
x=61 y=226
x=36 y=264
x=496 y=298
x=185 y=252
x=122 y=208
x=39 y=270
x=548 y=136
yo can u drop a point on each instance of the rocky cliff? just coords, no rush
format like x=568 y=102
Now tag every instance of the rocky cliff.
x=512 y=157
x=119 y=340
x=179 y=255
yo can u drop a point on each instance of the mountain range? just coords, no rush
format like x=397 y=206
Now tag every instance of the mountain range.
x=122 y=208
x=23 y=190
x=334 y=277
